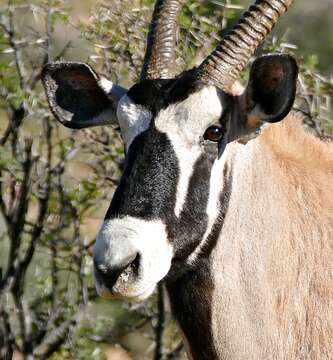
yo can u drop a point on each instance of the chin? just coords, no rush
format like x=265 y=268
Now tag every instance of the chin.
x=137 y=294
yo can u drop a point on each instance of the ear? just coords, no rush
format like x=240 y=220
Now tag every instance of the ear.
x=271 y=90
x=78 y=97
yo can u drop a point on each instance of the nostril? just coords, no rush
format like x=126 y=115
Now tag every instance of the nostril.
x=135 y=263
x=124 y=270
x=107 y=276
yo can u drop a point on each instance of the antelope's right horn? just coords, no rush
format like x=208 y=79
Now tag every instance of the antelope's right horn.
x=223 y=66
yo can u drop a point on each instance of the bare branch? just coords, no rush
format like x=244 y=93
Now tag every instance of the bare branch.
x=49 y=32
x=15 y=121
x=56 y=337
x=7 y=342
x=176 y=353
x=24 y=319
x=4 y=28
x=4 y=92
x=17 y=213
x=159 y=328
x=17 y=53
x=3 y=209
x=43 y=204
x=63 y=51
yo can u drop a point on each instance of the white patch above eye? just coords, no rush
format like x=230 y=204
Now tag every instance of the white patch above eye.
x=190 y=118
x=185 y=123
x=133 y=119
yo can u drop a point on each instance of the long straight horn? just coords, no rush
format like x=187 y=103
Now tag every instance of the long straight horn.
x=222 y=68
x=160 y=59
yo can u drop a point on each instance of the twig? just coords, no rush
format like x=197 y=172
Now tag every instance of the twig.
x=18 y=215
x=17 y=53
x=176 y=353
x=43 y=205
x=63 y=51
x=17 y=115
x=56 y=337
x=24 y=318
x=159 y=329
x=6 y=337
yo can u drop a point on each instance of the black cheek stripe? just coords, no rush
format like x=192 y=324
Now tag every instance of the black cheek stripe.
x=196 y=287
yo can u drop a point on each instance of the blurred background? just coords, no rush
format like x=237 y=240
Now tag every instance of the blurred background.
x=56 y=184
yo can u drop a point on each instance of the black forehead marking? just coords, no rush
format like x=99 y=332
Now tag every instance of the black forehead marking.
x=158 y=94
x=147 y=186
x=183 y=87
x=150 y=93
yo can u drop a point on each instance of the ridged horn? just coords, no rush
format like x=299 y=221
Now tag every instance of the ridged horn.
x=160 y=58
x=223 y=66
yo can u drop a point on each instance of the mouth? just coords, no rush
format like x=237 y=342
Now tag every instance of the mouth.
x=112 y=277
x=130 y=294
x=123 y=284
x=131 y=272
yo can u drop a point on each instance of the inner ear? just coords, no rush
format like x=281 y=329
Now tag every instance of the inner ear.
x=79 y=93
x=272 y=87
x=79 y=97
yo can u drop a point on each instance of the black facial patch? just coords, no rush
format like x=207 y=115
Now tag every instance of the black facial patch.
x=183 y=87
x=150 y=94
x=147 y=187
x=185 y=236
x=158 y=94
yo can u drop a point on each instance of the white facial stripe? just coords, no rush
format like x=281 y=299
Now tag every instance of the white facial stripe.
x=213 y=205
x=148 y=238
x=185 y=123
x=186 y=161
x=133 y=119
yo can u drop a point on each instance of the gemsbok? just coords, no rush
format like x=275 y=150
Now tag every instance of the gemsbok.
x=239 y=228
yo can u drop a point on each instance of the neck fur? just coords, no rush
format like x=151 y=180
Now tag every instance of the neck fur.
x=260 y=290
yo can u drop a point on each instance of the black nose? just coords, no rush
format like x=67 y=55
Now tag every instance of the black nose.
x=109 y=273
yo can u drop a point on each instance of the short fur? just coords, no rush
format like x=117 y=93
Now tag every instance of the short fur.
x=272 y=266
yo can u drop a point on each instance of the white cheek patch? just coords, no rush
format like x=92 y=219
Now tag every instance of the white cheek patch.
x=148 y=238
x=133 y=119
x=185 y=123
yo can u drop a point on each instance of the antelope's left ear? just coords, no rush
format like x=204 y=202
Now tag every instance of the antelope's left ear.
x=271 y=90
x=79 y=97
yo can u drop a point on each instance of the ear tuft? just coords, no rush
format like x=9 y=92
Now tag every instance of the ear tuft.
x=272 y=87
x=77 y=96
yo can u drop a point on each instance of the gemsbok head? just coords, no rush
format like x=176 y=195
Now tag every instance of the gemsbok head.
x=196 y=206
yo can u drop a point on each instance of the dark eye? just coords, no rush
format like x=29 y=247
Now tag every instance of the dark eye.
x=214 y=133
